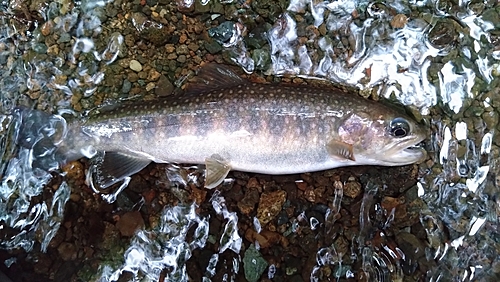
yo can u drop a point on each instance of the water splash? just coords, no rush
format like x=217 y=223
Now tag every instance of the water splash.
x=230 y=238
x=163 y=251
x=230 y=36
x=25 y=175
x=44 y=78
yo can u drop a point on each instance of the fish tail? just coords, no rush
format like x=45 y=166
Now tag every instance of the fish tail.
x=43 y=134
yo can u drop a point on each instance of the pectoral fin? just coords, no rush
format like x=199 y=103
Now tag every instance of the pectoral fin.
x=216 y=171
x=116 y=166
x=340 y=149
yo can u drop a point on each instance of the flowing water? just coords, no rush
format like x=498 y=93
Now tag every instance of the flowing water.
x=439 y=58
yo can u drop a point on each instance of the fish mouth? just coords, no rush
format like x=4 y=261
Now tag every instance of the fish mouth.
x=411 y=154
x=410 y=151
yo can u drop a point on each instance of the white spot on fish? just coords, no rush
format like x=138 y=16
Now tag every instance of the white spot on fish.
x=241 y=133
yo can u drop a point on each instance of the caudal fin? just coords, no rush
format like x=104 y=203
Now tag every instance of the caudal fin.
x=42 y=133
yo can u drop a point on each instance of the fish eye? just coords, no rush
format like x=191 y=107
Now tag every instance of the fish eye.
x=400 y=127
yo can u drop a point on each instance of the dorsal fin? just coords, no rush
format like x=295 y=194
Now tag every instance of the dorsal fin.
x=211 y=77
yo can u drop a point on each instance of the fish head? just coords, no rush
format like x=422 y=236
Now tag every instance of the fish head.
x=383 y=137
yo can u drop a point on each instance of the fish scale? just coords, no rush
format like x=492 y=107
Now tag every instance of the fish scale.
x=228 y=123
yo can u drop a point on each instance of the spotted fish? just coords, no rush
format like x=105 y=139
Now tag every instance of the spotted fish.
x=228 y=123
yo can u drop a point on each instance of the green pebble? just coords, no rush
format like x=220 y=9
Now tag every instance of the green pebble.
x=254 y=264
x=490 y=119
x=64 y=38
x=213 y=47
x=126 y=86
x=261 y=58
x=200 y=8
x=40 y=48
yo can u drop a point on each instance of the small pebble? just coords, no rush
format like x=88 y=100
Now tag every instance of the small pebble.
x=135 y=66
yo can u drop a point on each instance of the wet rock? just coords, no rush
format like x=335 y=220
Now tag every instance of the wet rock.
x=199 y=8
x=64 y=38
x=164 y=87
x=444 y=33
x=266 y=238
x=132 y=77
x=310 y=195
x=399 y=21
x=129 y=223
x=47 y=27
x=126 y=86
x=40 y=48
x=74 y=171
x=182 y=50
x=67 y=251
x=66 y=271
x=270 y=205
x=153 y=75
x=253 y=264
x=151 y=31
x=43 y=263
x=135 y=65
x=213 y=47
x=247 y=204
x=193 y=47
x=198 y=195
x=185 y=6
x=352 y=188
x=413 y=249
x=223 y=33
x=261 y=58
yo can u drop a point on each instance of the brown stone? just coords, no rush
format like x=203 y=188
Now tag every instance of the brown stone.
x=46 y=28
x=352 y=189
x=198 y=195
x=399 y=21
x=67 y=251
x=270 y=205
x=266 y=238
x=247 y=204
x=129 y=223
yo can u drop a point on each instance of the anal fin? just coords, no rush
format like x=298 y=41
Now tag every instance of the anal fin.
x=116 y=166
x=216 y=171
x=340 y=149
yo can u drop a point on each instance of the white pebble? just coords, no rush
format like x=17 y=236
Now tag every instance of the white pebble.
x=135 y=66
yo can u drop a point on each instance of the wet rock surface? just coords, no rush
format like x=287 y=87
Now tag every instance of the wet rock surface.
x=96 y=233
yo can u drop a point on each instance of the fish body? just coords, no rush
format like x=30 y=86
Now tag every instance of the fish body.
x=228 y=123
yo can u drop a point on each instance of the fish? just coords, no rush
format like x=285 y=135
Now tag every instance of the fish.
x=229 y=123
